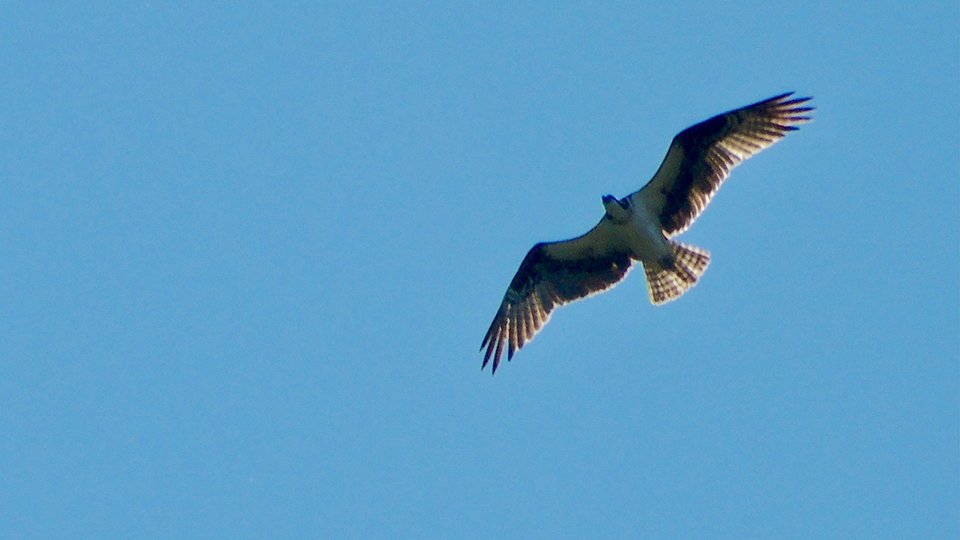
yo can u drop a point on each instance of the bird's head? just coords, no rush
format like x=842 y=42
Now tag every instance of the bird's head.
x=616 y=209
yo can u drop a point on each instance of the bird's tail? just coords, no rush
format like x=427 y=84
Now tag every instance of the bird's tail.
x=668 y=280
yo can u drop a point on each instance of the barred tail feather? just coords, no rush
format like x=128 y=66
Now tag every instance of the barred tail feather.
x=666 y=284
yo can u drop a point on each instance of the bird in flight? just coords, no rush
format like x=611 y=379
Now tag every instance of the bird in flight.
x=640 y=227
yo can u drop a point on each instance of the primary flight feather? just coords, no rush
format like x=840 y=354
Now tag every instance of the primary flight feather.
x=639 y=227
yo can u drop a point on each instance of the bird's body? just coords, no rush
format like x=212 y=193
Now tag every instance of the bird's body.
x=639 y=228
x=634 y=232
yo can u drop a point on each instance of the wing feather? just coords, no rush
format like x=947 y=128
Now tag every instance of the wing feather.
x=701 y=157
x=543 y=283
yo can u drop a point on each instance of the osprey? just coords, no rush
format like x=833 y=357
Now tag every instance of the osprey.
x=640 y=227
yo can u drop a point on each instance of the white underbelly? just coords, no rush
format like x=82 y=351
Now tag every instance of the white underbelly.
x=646 y=239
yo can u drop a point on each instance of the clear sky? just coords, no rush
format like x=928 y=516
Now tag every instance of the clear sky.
x=248 y=254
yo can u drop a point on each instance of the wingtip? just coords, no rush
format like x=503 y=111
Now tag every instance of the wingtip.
x=794 y=101
x=782 y=96
x=492 y=355
x=787 y=98
x=486 y=360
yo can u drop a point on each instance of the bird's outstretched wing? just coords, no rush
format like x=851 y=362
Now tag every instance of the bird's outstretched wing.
x=551 y=275
x=702 y=156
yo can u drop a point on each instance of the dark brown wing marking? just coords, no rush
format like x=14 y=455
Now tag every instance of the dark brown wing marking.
x=542 y=284
x=702 y=156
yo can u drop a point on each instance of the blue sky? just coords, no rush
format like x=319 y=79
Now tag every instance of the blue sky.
x=249 y=253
